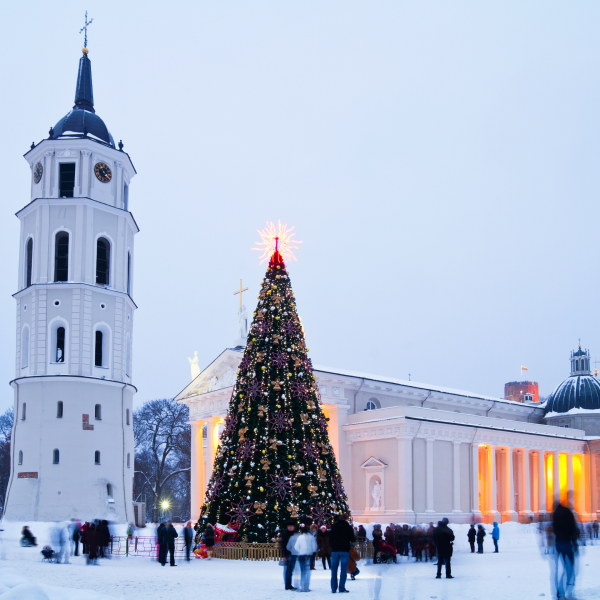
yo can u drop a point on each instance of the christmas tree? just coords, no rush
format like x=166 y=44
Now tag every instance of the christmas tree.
x=274 y=462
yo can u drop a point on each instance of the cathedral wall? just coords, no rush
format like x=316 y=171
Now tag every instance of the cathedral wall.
x=419 y=475
x=442 y=476
x=465 y=477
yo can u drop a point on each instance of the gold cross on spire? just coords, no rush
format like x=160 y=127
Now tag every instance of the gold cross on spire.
x=240 y=292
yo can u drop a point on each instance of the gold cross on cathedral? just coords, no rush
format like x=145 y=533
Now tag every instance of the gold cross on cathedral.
x=240 y=292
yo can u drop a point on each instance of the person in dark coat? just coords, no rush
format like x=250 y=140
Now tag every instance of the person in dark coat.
x=209 y=540
x=361 y=536
x=84 y=544
x=75 y=537
x=188 y=537
x=169 y=534
x=341 y=536
x=471 y=535
x=565 y=541
x=443 y=537
x=287 y=556
x=92 y=545
x=162 y=547
x=390 y=536
x=103 y=534
x=406 y=532
x=323 y=546
x=480 y=536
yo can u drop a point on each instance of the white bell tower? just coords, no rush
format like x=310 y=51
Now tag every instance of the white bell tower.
x=72 y=442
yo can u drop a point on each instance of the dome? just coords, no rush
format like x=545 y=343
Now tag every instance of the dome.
x=580 y=390
x=82 y=120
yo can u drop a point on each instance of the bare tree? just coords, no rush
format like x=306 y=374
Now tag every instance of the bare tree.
x=162 y=454
x=6 y=424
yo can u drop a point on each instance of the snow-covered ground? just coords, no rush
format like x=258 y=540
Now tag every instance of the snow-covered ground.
x=521 y=571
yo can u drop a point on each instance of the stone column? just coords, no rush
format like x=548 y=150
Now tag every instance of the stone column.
x=197 y=468
x=542 y=492
x=429 y=452
x=405 y=476
x=456 y=477
x=47 y=175
x=582 y=491
x=555 y=478
x=211 y=445
x=591 y=472
x=570 y=485
x=475 y=480
x=493 y=513
x=525 y=511
x=509 y=486
x=85 y=173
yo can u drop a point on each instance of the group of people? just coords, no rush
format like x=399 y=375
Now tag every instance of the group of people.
x=477 y=535
x=301 y=544
x=166 y=535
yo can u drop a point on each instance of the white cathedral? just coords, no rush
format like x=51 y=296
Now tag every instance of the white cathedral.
x=414 y=453
x=72 y=442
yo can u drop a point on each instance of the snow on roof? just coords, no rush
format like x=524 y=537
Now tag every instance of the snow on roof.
x=413 y=384
x=574 y=411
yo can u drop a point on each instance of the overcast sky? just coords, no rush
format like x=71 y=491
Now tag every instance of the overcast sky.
x=439 y=160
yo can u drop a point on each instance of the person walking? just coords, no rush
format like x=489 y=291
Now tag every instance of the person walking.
x=169 y=534
x=314 y=528
x=342 y=535
x=75 y=536
x=92 y=545
x=85 y=549
x=495 y=536
x=324 y=547
x=480 y=536
x=471 y=535
x=209 y=540
x=188 y=537
x=287 y=556
x=303 y=545
x=443 y=537
x=565 y=542
x=354 y=558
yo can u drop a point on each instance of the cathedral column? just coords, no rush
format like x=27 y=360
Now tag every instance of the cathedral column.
x=509 y=487
x=525 y=487
x=429 y=452
x=85 y=173
x=582 y=487
x=47 y=176
x=492 y=512
x=591 y=471
x=542 y=491
x=456 y=477
x=475 y=480
x=405 y=475
x=555 y=478
x=570 y=486
x=197 y=468
x=212 y=442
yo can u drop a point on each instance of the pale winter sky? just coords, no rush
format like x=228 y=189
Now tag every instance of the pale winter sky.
x=439 y=160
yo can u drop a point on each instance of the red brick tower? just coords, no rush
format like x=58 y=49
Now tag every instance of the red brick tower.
x=522 y=391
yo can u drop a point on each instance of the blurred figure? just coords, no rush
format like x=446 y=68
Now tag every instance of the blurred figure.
x=85 y=549
x=103 y=533
x=75 y=536
x=162 y=547
x=169 y=535
x=495 y=536
x=47 y=553
x=2 y=548
x=471 y=535
x=92 y=545
x=324 y=547
x=352 y=566
x=27 y=538
x=565 y=543
x=303 y=546
x=209 y=540
x=188 y=538
x=480 y=536
x=595 y=528
x=314 y=528
x=361 y=536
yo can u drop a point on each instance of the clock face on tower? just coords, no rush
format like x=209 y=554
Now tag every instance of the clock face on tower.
x=103 y=172
x=38 y=172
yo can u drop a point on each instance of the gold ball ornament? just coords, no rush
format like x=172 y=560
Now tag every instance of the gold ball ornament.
x=264 y=368
x=264 y=451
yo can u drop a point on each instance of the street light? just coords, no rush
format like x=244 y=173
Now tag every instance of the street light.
x=165 y=504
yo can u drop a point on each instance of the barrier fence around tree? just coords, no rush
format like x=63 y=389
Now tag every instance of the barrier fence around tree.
x=147 y=546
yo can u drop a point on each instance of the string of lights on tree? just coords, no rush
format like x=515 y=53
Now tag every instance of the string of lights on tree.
x=274 y=462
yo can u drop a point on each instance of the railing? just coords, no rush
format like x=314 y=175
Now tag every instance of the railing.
x=148 y=547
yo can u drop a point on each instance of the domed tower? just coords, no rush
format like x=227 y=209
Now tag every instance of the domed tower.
x=575 y=402
x=72 y=442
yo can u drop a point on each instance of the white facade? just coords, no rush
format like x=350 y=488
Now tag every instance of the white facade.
x=72 y=442
x=435 y=452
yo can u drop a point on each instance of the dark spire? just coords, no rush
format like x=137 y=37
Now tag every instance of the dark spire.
x=84 y=94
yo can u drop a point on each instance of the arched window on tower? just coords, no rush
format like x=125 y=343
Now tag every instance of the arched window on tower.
x=28 y=262
x=127 y=416
x=20 y=457
x=98 y=412
x=61 y=256
x=128 y=460
x=59 y=409
x=97 y=457
x=56 y=456
x=98 y=349
x=372 y=404
x=24 y=411
x=60 y=345
x=103 y=261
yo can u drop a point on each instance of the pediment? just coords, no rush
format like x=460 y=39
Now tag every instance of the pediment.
x=220 y=374
x=374 y=462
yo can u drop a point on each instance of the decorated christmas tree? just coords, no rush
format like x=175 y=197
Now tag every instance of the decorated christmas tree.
x=274 y=462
